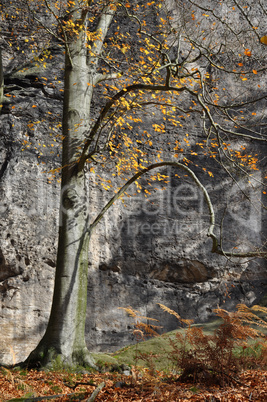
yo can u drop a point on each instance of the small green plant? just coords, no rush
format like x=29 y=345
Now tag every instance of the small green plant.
x=22 y=387
x=19 y=370
x=56 y=389
x=194 y=389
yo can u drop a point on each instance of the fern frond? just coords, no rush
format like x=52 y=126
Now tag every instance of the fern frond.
x=260 y=309
x=224 y=314
x=249 y=316
x=187 y=322
x=142 y=317
x=139 y=335
x=130 y=311
x=170 y=311
x=148 y=329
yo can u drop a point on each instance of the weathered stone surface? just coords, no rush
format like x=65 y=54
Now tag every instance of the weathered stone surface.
x=147 y=250
x=107 y=324
x=183 y=271
x=140 y=259
x=28 y=244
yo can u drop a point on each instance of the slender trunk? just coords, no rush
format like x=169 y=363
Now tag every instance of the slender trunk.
x=1 y=81
x=65 y=331
x=64 y=336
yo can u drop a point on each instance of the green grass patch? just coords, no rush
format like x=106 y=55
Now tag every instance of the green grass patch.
x=157 y=351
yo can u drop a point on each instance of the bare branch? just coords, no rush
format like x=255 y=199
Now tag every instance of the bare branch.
x=102 y=28
x=210 y=233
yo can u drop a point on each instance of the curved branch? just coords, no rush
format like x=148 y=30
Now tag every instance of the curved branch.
x=215 y=244
x=155 y=166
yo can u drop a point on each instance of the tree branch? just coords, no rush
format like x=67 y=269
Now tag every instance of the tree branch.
x=155 y=166
x=111 y=102
x=210 y=233
x=102 y=28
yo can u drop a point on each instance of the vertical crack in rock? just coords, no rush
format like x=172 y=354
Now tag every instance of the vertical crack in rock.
x=5 y=163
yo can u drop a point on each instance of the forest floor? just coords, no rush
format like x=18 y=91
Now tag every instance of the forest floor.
x=18 y=385
x=188 y=364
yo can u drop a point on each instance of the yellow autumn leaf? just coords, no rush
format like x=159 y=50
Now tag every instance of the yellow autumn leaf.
x=247 y=52
x=124 y=49
x=264 y=40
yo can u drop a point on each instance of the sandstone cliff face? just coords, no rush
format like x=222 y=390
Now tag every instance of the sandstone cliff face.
x=142 y=258
x=147 y=250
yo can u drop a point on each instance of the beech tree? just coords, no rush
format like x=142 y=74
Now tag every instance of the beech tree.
x=178 y=60
x=1 y=80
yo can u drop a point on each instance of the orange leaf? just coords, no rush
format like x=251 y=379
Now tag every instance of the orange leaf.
x=255 y=71
x=247 y=52
x=264 y=40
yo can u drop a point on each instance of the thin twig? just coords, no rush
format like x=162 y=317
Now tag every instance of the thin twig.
x=96 y=392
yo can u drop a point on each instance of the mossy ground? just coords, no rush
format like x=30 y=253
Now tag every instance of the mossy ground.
x=158 y=348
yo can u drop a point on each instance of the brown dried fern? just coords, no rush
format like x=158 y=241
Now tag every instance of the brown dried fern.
x=141 y=329
x=172 y=312
x=213 y=358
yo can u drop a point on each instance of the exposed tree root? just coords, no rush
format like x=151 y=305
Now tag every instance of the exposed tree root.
x=50 y=358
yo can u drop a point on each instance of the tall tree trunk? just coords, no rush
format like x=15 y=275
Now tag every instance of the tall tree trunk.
x=65 y=331
x=64 y=336
x=1 y=81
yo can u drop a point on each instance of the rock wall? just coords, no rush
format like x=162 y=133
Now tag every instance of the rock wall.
x=148 y=249
x=157 y=251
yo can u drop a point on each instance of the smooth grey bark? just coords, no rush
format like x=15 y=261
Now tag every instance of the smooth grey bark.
x=64 y=336
x=1 y=81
